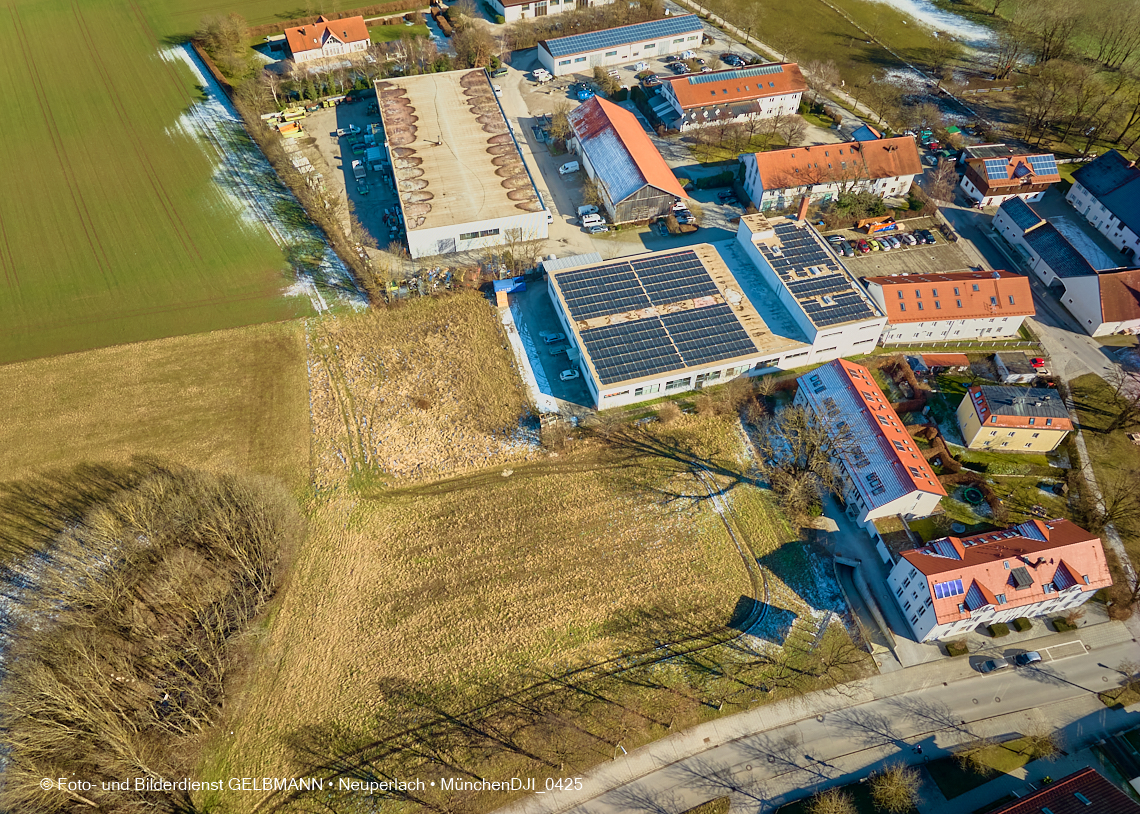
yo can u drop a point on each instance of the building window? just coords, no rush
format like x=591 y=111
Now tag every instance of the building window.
x=1012 y=434
x=937 y=305
x=958 y=301
x=1032 y=421
x=579 y=59
x=993 y=300
x=564 y=62
x=647 y=389
x=900 y=294
x=993 y=419
x=1036 y=435
x=476 y=235
x=976 y=288
x=1048 y=422
x=920 y=306
x=1001 y=599
x=1011 y=299
x=902 y=306
x=614 y=395
x=678 y=384
x=611 y=53
x=957 y=293
x=993 y=432
x=1005 y=443
x=918 y=293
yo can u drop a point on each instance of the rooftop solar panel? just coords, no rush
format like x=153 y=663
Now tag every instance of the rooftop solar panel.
x=1043 y=164
x=673 y=278
x=623 y=35
x=743 y=73
x=706 y=334
x=997 y=168
x=601 y=291
x=630 y=350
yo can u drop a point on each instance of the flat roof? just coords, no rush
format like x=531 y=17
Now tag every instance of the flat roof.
x=453 y=155
x=622 y=35
x=811 y=272
x=648 y=315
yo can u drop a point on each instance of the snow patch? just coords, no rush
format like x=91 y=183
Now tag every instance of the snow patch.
x=943 y=22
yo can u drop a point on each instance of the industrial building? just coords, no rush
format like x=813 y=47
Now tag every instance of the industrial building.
x=634 y=181
x=884 y=473
x=777 y=178
x=803 y=274
x=950 y=586
x=461 y=179
x=953 y=306
x=1013 y=419
x=733 y=94
x=580 y=53
x=997 y=172
x=511 y=10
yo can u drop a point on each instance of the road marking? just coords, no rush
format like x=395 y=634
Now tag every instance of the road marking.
x=1064 y=651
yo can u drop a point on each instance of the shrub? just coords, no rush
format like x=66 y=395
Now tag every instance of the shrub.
x=621 y=94
x=999 y=629
x=957 y=649
x=500 y=19
x=1061 y=626
x=1021 y=624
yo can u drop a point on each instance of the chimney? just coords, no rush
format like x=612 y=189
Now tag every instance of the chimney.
x=802 y=213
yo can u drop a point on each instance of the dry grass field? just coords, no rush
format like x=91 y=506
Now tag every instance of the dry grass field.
x=414 y=393
x=235 y=399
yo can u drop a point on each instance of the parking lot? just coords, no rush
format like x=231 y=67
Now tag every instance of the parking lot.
x=938 y=258
x=534 y=315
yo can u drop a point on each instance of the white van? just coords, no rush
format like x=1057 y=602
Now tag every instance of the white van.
x=569 y=168
x=592 y=220
x=641 y=66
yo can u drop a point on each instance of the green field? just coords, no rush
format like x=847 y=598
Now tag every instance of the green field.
x=389 y=33
x=111 y=228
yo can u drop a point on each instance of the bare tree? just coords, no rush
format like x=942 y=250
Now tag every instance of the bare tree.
x=792 y=130
x=895 y=788
x=941 y=55
x=560 y=122
x=1045 y=97
x=883 y=97
x=941 y=181
x=832 y=801
x=1055 y=22
x=1011 y=47
x=1116 y=36
x=1043 y=742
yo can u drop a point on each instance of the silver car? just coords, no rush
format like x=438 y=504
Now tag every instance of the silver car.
x=993 y=665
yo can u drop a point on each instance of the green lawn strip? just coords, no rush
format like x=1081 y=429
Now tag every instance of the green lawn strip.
x=710 y=154
x=718 y=806
x=390 y=33
x=953 y=780
x=1119 y=698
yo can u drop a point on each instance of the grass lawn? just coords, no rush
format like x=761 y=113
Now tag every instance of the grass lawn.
x=1120 y=697
x=389 y=33
x=712 y=154
x=953 y=780
x=112 y=227
x=235 y=399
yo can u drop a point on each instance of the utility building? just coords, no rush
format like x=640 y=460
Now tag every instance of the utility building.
x=581 y=53
x=634 y=181
x=461 y=179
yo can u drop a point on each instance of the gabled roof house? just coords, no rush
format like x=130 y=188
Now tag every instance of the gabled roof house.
x=327 y=38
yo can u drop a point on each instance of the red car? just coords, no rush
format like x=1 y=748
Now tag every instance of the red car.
x=863 y=246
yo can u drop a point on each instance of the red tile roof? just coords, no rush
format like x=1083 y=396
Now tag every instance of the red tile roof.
x=729 y=86
x=1054 y=553
x=1120 y=295
x=849 y=162
x=999 y=286
x=1018 y=172
x=1060 y=797
x=597 y=115
x=946 y=360
x=909 y=464
x=312 y=37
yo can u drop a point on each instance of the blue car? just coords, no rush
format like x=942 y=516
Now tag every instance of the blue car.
x=585 y=93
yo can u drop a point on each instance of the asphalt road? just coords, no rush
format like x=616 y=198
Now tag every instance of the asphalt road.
x=848 y=739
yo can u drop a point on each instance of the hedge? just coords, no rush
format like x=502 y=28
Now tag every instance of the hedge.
x=721 y=179
x=999 y=629
x=1061 y=626
x=1022 y=624
x=957 y=649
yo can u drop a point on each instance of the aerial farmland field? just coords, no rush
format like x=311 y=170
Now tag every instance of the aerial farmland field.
x=112 y=228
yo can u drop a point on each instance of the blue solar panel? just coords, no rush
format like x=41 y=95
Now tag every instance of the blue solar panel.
x=623 y=35
x=944 y=590
x=1043 y=164
x=743 y=73
x=997 y=168
x=630 y=350
x=708 y=334
x=601 y=291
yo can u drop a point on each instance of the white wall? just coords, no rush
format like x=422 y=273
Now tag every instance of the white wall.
x=618 y=54
x=783 y=198
x=1105 y=222
x=1062 y=602
x=530 y=10
x=944 y=329
x=431 y=241
x=787 y=103
x=1082 y=298
x=975 y=194
x=331 y=48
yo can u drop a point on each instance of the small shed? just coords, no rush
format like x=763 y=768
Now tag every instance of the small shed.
x=954 y=362
x=1014 y=368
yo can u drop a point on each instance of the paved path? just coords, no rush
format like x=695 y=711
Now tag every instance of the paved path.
x=775 y=753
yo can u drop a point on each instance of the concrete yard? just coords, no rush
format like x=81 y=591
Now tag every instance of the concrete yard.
x=925 y=259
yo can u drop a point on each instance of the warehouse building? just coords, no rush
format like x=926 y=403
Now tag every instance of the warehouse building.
x=952 y=585
x=733 y=94
x=580 y=53
x=997 y=172
x=776 y=179
x=883 y=473
x=461 y=179
x=511 y=10
x=1013 y=419
x=953 y=306
x=634 y=181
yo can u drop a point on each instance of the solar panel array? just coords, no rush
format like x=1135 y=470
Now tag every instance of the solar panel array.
x=650 y=345
x=743 y=73
x=945 y=590
x=704 y=335
x=997 y=168
x=1043 y=164
x=630 y=350
x=623 y=35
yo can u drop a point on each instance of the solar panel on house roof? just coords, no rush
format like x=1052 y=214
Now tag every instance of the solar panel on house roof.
x=1043 y=164
x=996 y=168
x=944 y=590
x=630 y=350
x=743 y=73
x=600 y=291
x=707 y=334
x=623 y=35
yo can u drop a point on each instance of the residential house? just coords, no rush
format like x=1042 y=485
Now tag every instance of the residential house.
x=633 y=179
x=951 y=585
x=732 y=94
x=1013 y=419
x=1046 y=252
x=954 y=306
x=997 y=172
x=1107 y=192
x=883 y=471
x=1108 y=303
x=777 y=178
x=581 y=53
x=1085 y=790
x=327 y=38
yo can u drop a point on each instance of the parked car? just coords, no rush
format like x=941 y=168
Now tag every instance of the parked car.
x=501 y=71
x=550 y=338
x=909 y=238
x=679 y=68
x=688 y=55
x=651 y=81
x=671 y=59
x=680 y=206
x=498 y=90
x=845 y=248
x=558 y=351
x=641 y=66
x=894 y=241
x=585 y=93
x=732 y=59
x=569 y=167
x=567 y=375
x=1023 y=659
x=835 y=239
x=927 y=235
x=598 y=229
x=992 y=665
x=863 y=247
x=588 y=209
x=874 y=244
